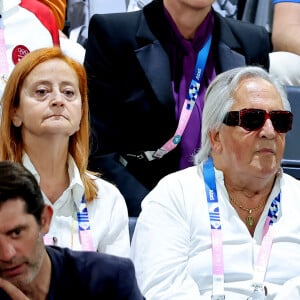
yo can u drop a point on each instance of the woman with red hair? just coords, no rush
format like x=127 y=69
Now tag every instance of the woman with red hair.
x=45 y=126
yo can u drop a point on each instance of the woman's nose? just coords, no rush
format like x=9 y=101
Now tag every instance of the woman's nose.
x=57 y=99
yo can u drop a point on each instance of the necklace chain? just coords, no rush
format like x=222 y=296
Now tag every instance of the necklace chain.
x=249 y=218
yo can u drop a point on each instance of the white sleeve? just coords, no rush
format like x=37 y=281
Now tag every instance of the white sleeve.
x=132 y=6
x=290 y=290
x=116 y=240
x=72 y=49
x=160 y=245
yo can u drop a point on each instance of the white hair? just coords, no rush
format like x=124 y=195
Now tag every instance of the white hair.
x=219 y=98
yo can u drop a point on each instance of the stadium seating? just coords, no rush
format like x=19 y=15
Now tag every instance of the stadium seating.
x=291 y=158
x=259 y=12
x=132 y=222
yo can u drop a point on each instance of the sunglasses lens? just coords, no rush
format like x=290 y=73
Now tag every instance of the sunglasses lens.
x=252 y=119
x=281 y=120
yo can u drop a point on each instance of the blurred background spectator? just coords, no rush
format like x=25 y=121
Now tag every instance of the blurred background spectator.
x=25 y=26
x=58 y=8
x=285 y=59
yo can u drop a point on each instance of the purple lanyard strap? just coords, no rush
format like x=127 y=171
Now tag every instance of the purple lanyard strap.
x=188 y=104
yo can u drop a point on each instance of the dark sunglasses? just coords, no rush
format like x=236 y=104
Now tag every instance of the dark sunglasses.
x=253 y=119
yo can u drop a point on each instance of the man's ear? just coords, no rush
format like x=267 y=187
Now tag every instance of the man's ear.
x=214 y=138
x=16 y=119
x=46 y=218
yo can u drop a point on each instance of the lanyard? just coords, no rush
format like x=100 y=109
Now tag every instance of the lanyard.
x=3 y=58
x=216 y=232
x=217 y=247
x=83 y=228
x=189 y=101
x=261 y=264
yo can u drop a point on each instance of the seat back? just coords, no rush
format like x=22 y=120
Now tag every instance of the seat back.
x=249 y=11
x=259 y=12
x=131 y=224
x=264 y=14
x=291 y=157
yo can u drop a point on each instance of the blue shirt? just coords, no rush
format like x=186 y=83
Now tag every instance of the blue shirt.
x=278 y=1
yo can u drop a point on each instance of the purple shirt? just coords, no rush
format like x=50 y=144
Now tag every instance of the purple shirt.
x=183 y=54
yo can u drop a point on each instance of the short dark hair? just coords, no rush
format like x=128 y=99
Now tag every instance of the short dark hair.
x=17 y=182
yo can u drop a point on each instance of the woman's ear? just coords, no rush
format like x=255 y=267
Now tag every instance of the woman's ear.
x=214 y=138
x=16 y=120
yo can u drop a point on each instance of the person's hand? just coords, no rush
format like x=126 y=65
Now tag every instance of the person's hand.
x=12 y=291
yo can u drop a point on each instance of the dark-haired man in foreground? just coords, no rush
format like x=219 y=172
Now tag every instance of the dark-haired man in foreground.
x=29 y=270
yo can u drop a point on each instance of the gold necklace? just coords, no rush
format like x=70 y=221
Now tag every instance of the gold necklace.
x=249 y=218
